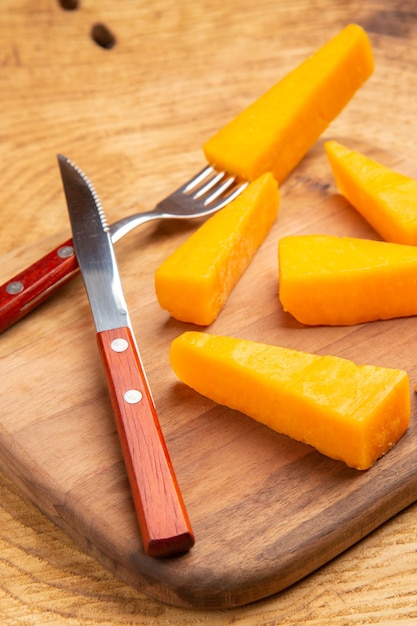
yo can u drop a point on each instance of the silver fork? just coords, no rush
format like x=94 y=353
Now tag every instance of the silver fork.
x=204 y=194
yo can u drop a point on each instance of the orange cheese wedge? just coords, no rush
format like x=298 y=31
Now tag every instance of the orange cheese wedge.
x=275 y=132
x=195 y=281
x=348 y=412
x=324 y=279
x=385 y=198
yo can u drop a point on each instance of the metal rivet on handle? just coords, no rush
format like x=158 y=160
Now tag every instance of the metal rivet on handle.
x=14 y=287
x=133 y=396
x=65 y=252
x=119 y=345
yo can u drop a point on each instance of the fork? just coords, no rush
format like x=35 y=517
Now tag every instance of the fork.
x=204 y=194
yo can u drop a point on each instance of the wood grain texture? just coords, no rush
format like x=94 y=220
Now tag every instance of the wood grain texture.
x=134 y=118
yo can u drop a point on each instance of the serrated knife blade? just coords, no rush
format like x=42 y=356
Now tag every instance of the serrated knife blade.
x=162 y=516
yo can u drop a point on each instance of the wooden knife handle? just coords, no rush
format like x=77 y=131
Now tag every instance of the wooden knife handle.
x=25 y=291
x=163 y=520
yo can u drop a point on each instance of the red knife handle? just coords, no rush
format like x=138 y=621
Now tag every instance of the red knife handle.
x=163 y=520
x=22 y=293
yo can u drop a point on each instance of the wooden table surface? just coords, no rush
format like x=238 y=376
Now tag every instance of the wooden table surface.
x=135 y=116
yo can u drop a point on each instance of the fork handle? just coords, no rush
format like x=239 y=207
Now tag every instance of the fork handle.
x=25 y=291
x=163 y=519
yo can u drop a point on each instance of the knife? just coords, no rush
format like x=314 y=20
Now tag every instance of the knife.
x=162 y=516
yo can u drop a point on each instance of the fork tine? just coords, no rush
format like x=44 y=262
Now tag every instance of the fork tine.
x=197 y=180
x=209 y=185
x=228 y=183
x=227 y=199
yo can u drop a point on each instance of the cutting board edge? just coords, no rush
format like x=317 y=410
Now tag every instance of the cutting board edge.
x=208 y=593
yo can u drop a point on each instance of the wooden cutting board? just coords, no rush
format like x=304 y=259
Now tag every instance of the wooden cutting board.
x=266 y=510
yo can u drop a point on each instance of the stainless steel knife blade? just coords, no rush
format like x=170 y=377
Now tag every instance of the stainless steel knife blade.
x=162 y=516
x=93 y=246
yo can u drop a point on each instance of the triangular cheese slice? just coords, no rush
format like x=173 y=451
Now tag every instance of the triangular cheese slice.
x=348 y=412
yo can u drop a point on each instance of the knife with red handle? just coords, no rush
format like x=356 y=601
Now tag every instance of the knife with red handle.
x=161 y=513
x=28 y=289
x=163 y=520
x=32 y=286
